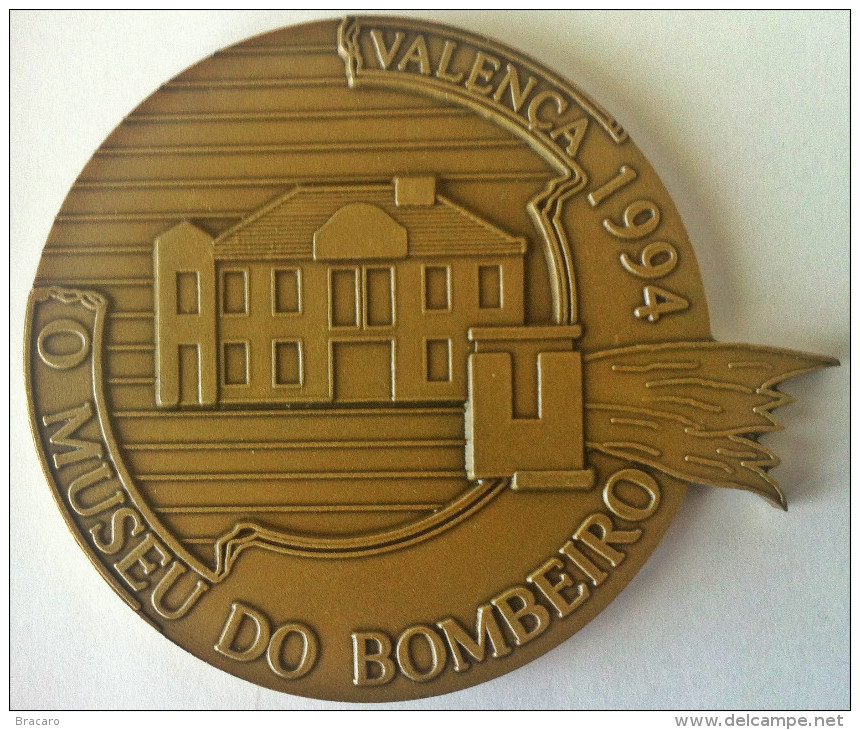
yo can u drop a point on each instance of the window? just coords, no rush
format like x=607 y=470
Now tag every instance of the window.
x=187 y=292
x=343 y=297
x=361 y=297
x=437 y=288
x=490 y=287
x=286 y=291
x=438 y=361
x=378 y=297
x=235 y=363
x=286 y=362
x=234 y=291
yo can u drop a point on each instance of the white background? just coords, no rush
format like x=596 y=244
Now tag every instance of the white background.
x=745 y=117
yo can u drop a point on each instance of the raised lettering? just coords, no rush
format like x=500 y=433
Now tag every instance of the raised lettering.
x=385 y=55
x=573 y=132
x=512 y=81
x=608 y=534
x=416 y=53
x=625 y=176
x=79 y=450
x=537 y=615
x=638 y=220
x=63 y=360
x=538 y=100
x=438 y=655
x=99 y=474
x=482 y=72
x=553 y=591
x=659 y=302
x=442 y=71
x=116 y=542
x=648 y=269
x=227 y=644
x=307 y=657
x=625 y=510
x=486 y=627
x=362 y=658
x=163 y=588
x=581 y=561
x=138 y=556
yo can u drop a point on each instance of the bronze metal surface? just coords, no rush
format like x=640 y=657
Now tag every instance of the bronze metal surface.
x=369 y=360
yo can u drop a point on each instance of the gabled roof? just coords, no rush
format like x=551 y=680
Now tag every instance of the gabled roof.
x=284 y=229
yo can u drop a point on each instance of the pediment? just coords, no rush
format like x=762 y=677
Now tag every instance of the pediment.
x=360 y=231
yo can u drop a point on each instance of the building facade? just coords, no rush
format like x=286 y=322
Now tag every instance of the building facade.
x=373 y=294
x=332 y=295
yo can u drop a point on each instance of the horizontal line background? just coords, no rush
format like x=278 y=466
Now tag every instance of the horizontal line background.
x=212 y=147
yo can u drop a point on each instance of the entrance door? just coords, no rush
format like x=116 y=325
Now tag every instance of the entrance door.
x=189 y=375
x=362 y=371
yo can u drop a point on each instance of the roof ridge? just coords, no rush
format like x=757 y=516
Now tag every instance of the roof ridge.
x=284 y=197
x=347 y=186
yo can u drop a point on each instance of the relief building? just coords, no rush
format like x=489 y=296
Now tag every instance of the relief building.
x=366 y=294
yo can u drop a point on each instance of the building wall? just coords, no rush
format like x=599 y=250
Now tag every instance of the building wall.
x=433 y=321
x=407 y=346
x=267 y=355
x=185 y=338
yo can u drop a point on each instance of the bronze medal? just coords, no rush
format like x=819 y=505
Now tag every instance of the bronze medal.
x=369 y=359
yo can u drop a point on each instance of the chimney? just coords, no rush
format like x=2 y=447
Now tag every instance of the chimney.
x=415 y=190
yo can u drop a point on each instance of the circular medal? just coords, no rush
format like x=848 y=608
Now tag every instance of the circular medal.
x=369 y=359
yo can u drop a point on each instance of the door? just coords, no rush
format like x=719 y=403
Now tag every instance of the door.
x=189 y=375
x=362 y=371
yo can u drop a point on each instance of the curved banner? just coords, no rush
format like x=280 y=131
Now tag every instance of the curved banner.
x=82 y=460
